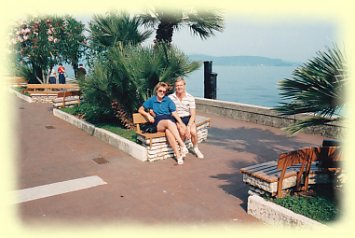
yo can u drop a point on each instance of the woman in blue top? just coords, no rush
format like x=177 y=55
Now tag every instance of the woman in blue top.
x=165 y=117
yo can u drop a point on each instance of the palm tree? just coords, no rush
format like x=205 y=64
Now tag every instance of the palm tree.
x=316 y=87
x=123 y=78
x=114 y=29
x=201 y=23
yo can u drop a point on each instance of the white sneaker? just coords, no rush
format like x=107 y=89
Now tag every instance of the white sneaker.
x=198 y=153
x=180 y=160
x=184 y=151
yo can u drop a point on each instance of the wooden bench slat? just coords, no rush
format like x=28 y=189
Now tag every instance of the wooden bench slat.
x=67 y=98
x=42 y=94
x=151 y=135
x=268 y=171
x=273 y=177
x=55 y=86
x=68 y=93
x=50 y=88
x=138 y=118
x=311 y=160
x=257 y=167
x=200 y=120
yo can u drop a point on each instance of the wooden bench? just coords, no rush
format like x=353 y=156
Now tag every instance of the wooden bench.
x=156 y=143
x=50 y=89
x=18 y=82
x=66 y=98
x=294 y=170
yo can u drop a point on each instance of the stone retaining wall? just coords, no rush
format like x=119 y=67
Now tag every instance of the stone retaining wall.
x=274 y=214
x=262 y=115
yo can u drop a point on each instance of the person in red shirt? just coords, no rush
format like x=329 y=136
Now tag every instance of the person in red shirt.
x=61 y=71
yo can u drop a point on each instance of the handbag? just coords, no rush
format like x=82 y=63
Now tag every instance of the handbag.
x=148 y=128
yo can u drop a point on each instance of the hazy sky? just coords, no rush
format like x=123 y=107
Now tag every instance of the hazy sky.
x=289 y=38
x=295 y=40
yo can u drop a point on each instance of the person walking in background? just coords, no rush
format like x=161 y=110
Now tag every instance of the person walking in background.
x=165 y=118
x=186 y=109
x=81 y=73
x=61 y=71
x=53 y=77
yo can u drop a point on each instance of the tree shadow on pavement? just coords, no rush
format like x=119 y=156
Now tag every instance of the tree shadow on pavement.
x=260 y=144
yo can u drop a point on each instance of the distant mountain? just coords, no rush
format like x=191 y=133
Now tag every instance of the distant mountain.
x=242 y=60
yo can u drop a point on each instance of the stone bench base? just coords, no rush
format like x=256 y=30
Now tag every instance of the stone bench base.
x=43 y=98
x=160 y=149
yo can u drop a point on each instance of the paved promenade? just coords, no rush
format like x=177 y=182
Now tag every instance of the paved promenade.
x=117 y=188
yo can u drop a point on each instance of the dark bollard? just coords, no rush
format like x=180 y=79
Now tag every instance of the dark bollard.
x=210 y=81
x=207 y=66
x=213 y=86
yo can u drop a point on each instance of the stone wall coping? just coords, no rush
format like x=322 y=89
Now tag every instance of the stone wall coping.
x=250 y=108
x=265 y=116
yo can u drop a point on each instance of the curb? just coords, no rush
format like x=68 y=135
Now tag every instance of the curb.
x=22 y=96
x=136 y=151
x=83 y=125
x=274 y=214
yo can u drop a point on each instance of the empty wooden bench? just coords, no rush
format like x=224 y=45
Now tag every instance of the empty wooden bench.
x=66 y=98
x=294 y=170
x=156 y=143
x=18 y=82
x=49 y=89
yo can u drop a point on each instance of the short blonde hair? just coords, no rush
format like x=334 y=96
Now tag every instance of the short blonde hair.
x=180 y=79
x=161 y=84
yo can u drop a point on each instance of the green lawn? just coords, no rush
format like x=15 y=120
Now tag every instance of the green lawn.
x=114 y=128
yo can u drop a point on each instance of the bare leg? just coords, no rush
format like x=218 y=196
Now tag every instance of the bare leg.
x=194 y=140
x=171 y=139
x=182 y=131
x=193 y=132
x=167 y=124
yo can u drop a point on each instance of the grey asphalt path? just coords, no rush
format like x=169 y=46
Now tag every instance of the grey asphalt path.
x=199 y=192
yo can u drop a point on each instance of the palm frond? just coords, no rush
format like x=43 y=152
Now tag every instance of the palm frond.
x=205 y=23
x=165 y=22
x=315 y=87
x=109 y=30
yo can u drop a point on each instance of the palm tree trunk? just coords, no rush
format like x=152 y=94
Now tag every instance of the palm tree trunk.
x=124 y=117
x=75 y=67
x=38 y=74
x=165 y=33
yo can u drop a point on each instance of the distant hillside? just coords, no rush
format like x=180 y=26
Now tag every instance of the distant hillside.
x=242 y=60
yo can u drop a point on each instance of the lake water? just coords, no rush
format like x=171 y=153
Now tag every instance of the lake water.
x=256 y=85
